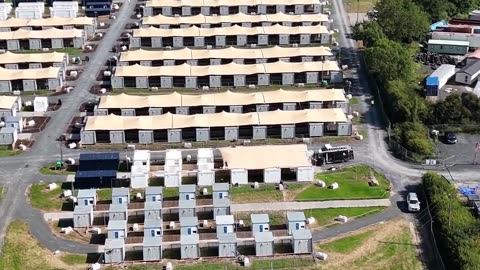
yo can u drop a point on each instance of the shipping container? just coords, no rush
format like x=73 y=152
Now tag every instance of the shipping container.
x=439 y=79
x=99 y=161
x=95 y=179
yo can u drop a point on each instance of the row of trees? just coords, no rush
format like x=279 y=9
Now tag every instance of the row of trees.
x=457 y=230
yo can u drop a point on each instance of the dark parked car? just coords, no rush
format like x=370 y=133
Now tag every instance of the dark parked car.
x=450 y=137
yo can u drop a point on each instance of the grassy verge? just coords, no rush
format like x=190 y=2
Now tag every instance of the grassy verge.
x=347 y=244
x=50 y=170
x=265 y=193
x=104 y=194
x=353 y=184
x=44 y=199
x=6 y=151
x=362 y=5
x=74 y=258
x=276 y=217
x=22 y=251
x=325 y=217
x=170 y=192
x=1 y=193
x=257 y=264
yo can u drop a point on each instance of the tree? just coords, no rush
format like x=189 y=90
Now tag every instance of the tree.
x=402 y=20
x=389 y=60
x=450 y=111
x=414 y=137
x=443 y=9
x=472 y=104
x=368 y=32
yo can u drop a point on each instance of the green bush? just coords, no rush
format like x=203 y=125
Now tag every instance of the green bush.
x=456 y=229
x=414 y=137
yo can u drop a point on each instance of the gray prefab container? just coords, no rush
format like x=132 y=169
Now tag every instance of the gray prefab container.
x=117 y=229
x=221 y=207
x=153 y=194
x=225 y=224
x=8 y=136
x=189 y=246
x=220 y=190
x=302 y=241
x=188 y=225
x=114 y=251
x=152 y=228
x=118 y=212
x=153 y=210
x=295 y=221
x=187 y=192
x=120 y=195
x=187 y=208
x=82 y=216
x=152 y=249
x=87 y=197
x=260 y=223
x=227 y=245
x=264 y=244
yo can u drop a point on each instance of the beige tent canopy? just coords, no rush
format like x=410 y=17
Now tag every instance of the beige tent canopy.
x=54 y=21
x=228 y=69
x=226 y=98
x=223 y=119
x=235 y=18
x=29 y=74
x=218 y=3
x=224 y=53
x=41 y=34
x=265 y=156
x=194 y=31
x=6 y=102
x=51 y=57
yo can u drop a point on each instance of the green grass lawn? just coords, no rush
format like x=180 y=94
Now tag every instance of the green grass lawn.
x=257 y=264
x=170 y=192
x=44 y=199
x=1 y=193
x=347 y=244
x=354 y=101
x=276 y=217
x=353 y=184
x=362 y=5
x=265 y=193
x=50 y=170
x=327 y=216
x=104 y=194
x=6 y=151
x=74 y=258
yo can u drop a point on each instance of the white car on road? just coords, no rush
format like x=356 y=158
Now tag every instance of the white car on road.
x=413 y=202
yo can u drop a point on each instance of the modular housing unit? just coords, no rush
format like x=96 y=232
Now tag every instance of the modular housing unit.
x=221 y=207
x=87 y=197
x=189 y=246
x=153 y=210
x=220 y=190
x=264 y=245
x=153 y=194
x=152 y=228
x=152 y=248
x=187 y=192
x=117 y=229
x=120 y=195
x=10 y=105
x=227 y=245
x=114 y=251
x=439 y=78
x=448 y=46
x=83 y=216
x=187 y=208
x=260 y=223
x=302 y=241
x=118 y=212
x=8 y=136
x=188 y=225
x=468 y=74
x=296 y=221
x=225 y=224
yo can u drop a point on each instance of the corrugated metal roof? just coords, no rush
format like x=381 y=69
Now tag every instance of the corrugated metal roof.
x=259 y=218
x=86 y=193
x=472 y=68
x=224 y=220
x=117 y=225
x=189 y=239
x=221 y=187
x=187 y=204
x=154 y=191
x=188 y=221
x=296 y=216
x=448 y=42
x=227 y=238
x=444 y=70
x=261 y=237
x=152 y=223
x=224 y=202
x=301 y=234
x=152 y=241
x=187 y=188
x=115 y=208
x=149 y=205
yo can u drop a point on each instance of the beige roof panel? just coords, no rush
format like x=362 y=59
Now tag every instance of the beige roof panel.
x=260 y=157
x=6 y=102
x=51 y=57
x=216 y=3
x=54 y=21
x=194 y=31
x=41 y=34
x=29 y=74
x=224 y=53
x=223 y=119
x=234 y=18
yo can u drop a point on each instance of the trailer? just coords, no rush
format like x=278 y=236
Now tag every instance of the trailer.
x=333 y=154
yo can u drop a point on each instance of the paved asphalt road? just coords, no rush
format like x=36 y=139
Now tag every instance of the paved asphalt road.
x=17 y=173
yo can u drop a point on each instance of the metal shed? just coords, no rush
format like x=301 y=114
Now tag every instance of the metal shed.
x=8 y=136
x=120 y=195
x=118 y=212
x=87 y=197
x=117 y=229
x=153 y=194
x=302 y=241
x=153 y=210
x=260 y=223
x=295 y=221
x=188 y=225
x=264 y=244
x=82 y=216
x=152 y=248
x=14 y=122
x=187 y=208
x=114 y=251
x=152 y=228
x=220 y=190
x=227 y=245
x=189 y=246
x=187 y=192
x=221 y=206
x=225 y=224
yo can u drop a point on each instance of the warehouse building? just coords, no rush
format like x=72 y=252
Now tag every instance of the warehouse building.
x=99 y=161
x=11 y=60
x=228 y=75
x=95 y=179
x=81 y=23
x=152 y=248
x=291 y=161
x=205 y=57
x=114 y=251
x=448 y=46
x=234 y=102
x=42 y=39
x=10 y=105
x=153 y=37
x=217 y=126
x=240 y=19
x=227 y=245
x=29 y=80
x=222 y=7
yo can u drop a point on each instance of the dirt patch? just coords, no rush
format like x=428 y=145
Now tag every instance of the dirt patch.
x=77 y=235
x=40 y=124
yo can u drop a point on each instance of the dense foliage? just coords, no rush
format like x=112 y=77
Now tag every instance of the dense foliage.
x=442 y=9
x=456 y=229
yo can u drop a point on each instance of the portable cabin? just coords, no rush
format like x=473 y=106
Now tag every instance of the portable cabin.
x=117 y=229
x=263 y=244
x=187 y=192
x=87 y=197
x=152 y=248
x=14 y=122
x=221 y=206
x=187 y=208
x=153 y=210
x=118 y=212
x=260 y=223
x=302 y=241
x=8 y=136
x=152 y=228
x=82 y=216
x=154 y=194
x=227 y=245
x=225 y=224
x=189 y=246
x=114 y=251
x=188 y=225
x=120 y=195
x=295 y=221
x=220 y=190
